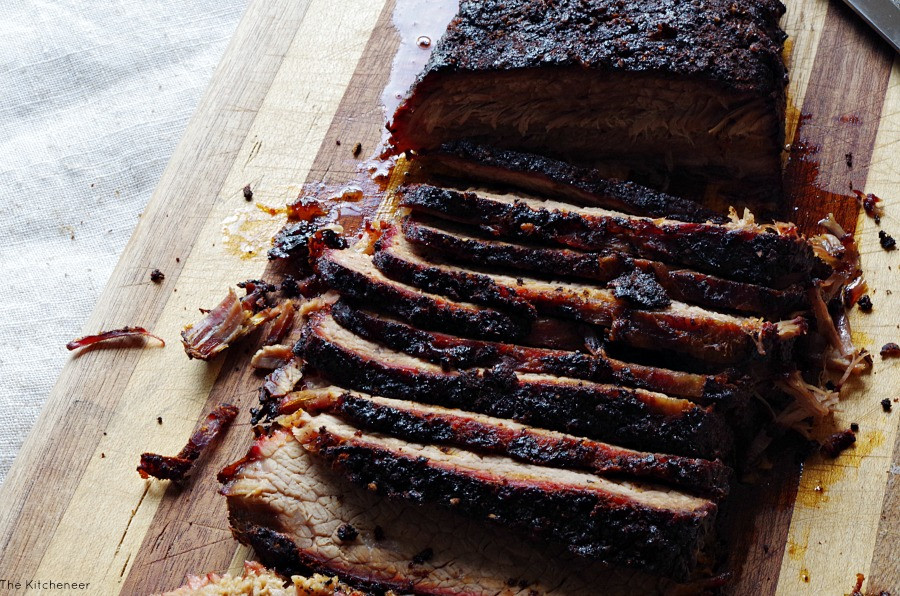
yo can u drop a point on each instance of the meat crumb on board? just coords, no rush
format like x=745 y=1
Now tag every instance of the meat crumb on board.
x=890 y=350
x=837 y=443
x=865 y=303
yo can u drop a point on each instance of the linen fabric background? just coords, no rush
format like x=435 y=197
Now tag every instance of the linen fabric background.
x=94 y=96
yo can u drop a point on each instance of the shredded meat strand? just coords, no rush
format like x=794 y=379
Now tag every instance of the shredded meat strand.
x=231 y=320
x=88 y=340
x=282 y=324
x=179 y=466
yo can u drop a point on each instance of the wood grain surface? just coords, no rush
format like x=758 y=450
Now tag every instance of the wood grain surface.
x=299 y=76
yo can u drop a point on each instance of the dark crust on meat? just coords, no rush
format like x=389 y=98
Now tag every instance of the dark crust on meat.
x=456 y=353
x=605 y=528
x=601 y=412
x=465 y=286
x=640 y=289
x=419 y=309
x=693 y=332
x=557 y=179
x=687 y=286
x=744 y=254
x=293 y=240
x=701 y=476
x=736 y=45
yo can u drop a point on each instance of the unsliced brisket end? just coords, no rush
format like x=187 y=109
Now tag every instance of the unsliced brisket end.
x=452 y=352
x=631 y=417
x=353 y=274
x=775 y=256
x=466 y=245
x=610 y=521
x=433 y=425
x=695 y=87
x=678 y=327
x=288 y=506
x=554 y=179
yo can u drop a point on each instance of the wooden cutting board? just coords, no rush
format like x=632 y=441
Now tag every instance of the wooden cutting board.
x=299 y=76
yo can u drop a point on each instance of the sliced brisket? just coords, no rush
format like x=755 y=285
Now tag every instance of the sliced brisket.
x=353 y=274
x=678 y=327
x=433 y=425
x=606 y=520
x=775 y=256
x=466 y=245
x=553 y=179
x=288 y=507
x=452 y=352
x=631 y=417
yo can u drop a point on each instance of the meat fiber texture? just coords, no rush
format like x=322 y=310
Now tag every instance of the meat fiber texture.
x=684 y=86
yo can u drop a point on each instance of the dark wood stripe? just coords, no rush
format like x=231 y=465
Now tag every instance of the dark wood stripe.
x=756 y=522
x=839 y=118
x=50 y=465
x=190 y=532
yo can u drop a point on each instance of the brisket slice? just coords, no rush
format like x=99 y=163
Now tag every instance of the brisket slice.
x=631 y=417
x=352 y=274
x=452 y=352
x=678 y=327
x=553 y=179
x=690 y=87
x=654 y=529
x=288 y=507
x=466 y=245
x=433 y=425
x=775 y=256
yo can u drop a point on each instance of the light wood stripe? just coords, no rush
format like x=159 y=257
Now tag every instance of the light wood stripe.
x=803 y=22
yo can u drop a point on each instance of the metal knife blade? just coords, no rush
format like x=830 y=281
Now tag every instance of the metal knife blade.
x=881 y=15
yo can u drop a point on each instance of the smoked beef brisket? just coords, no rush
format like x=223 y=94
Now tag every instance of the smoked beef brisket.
x=695 y=87
x=603 y=519
x=466 y=244
x=725 y=390
x=288 y=506
x=630 y=417
x=464 y=162
x=434 y=425
x=774 y=255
